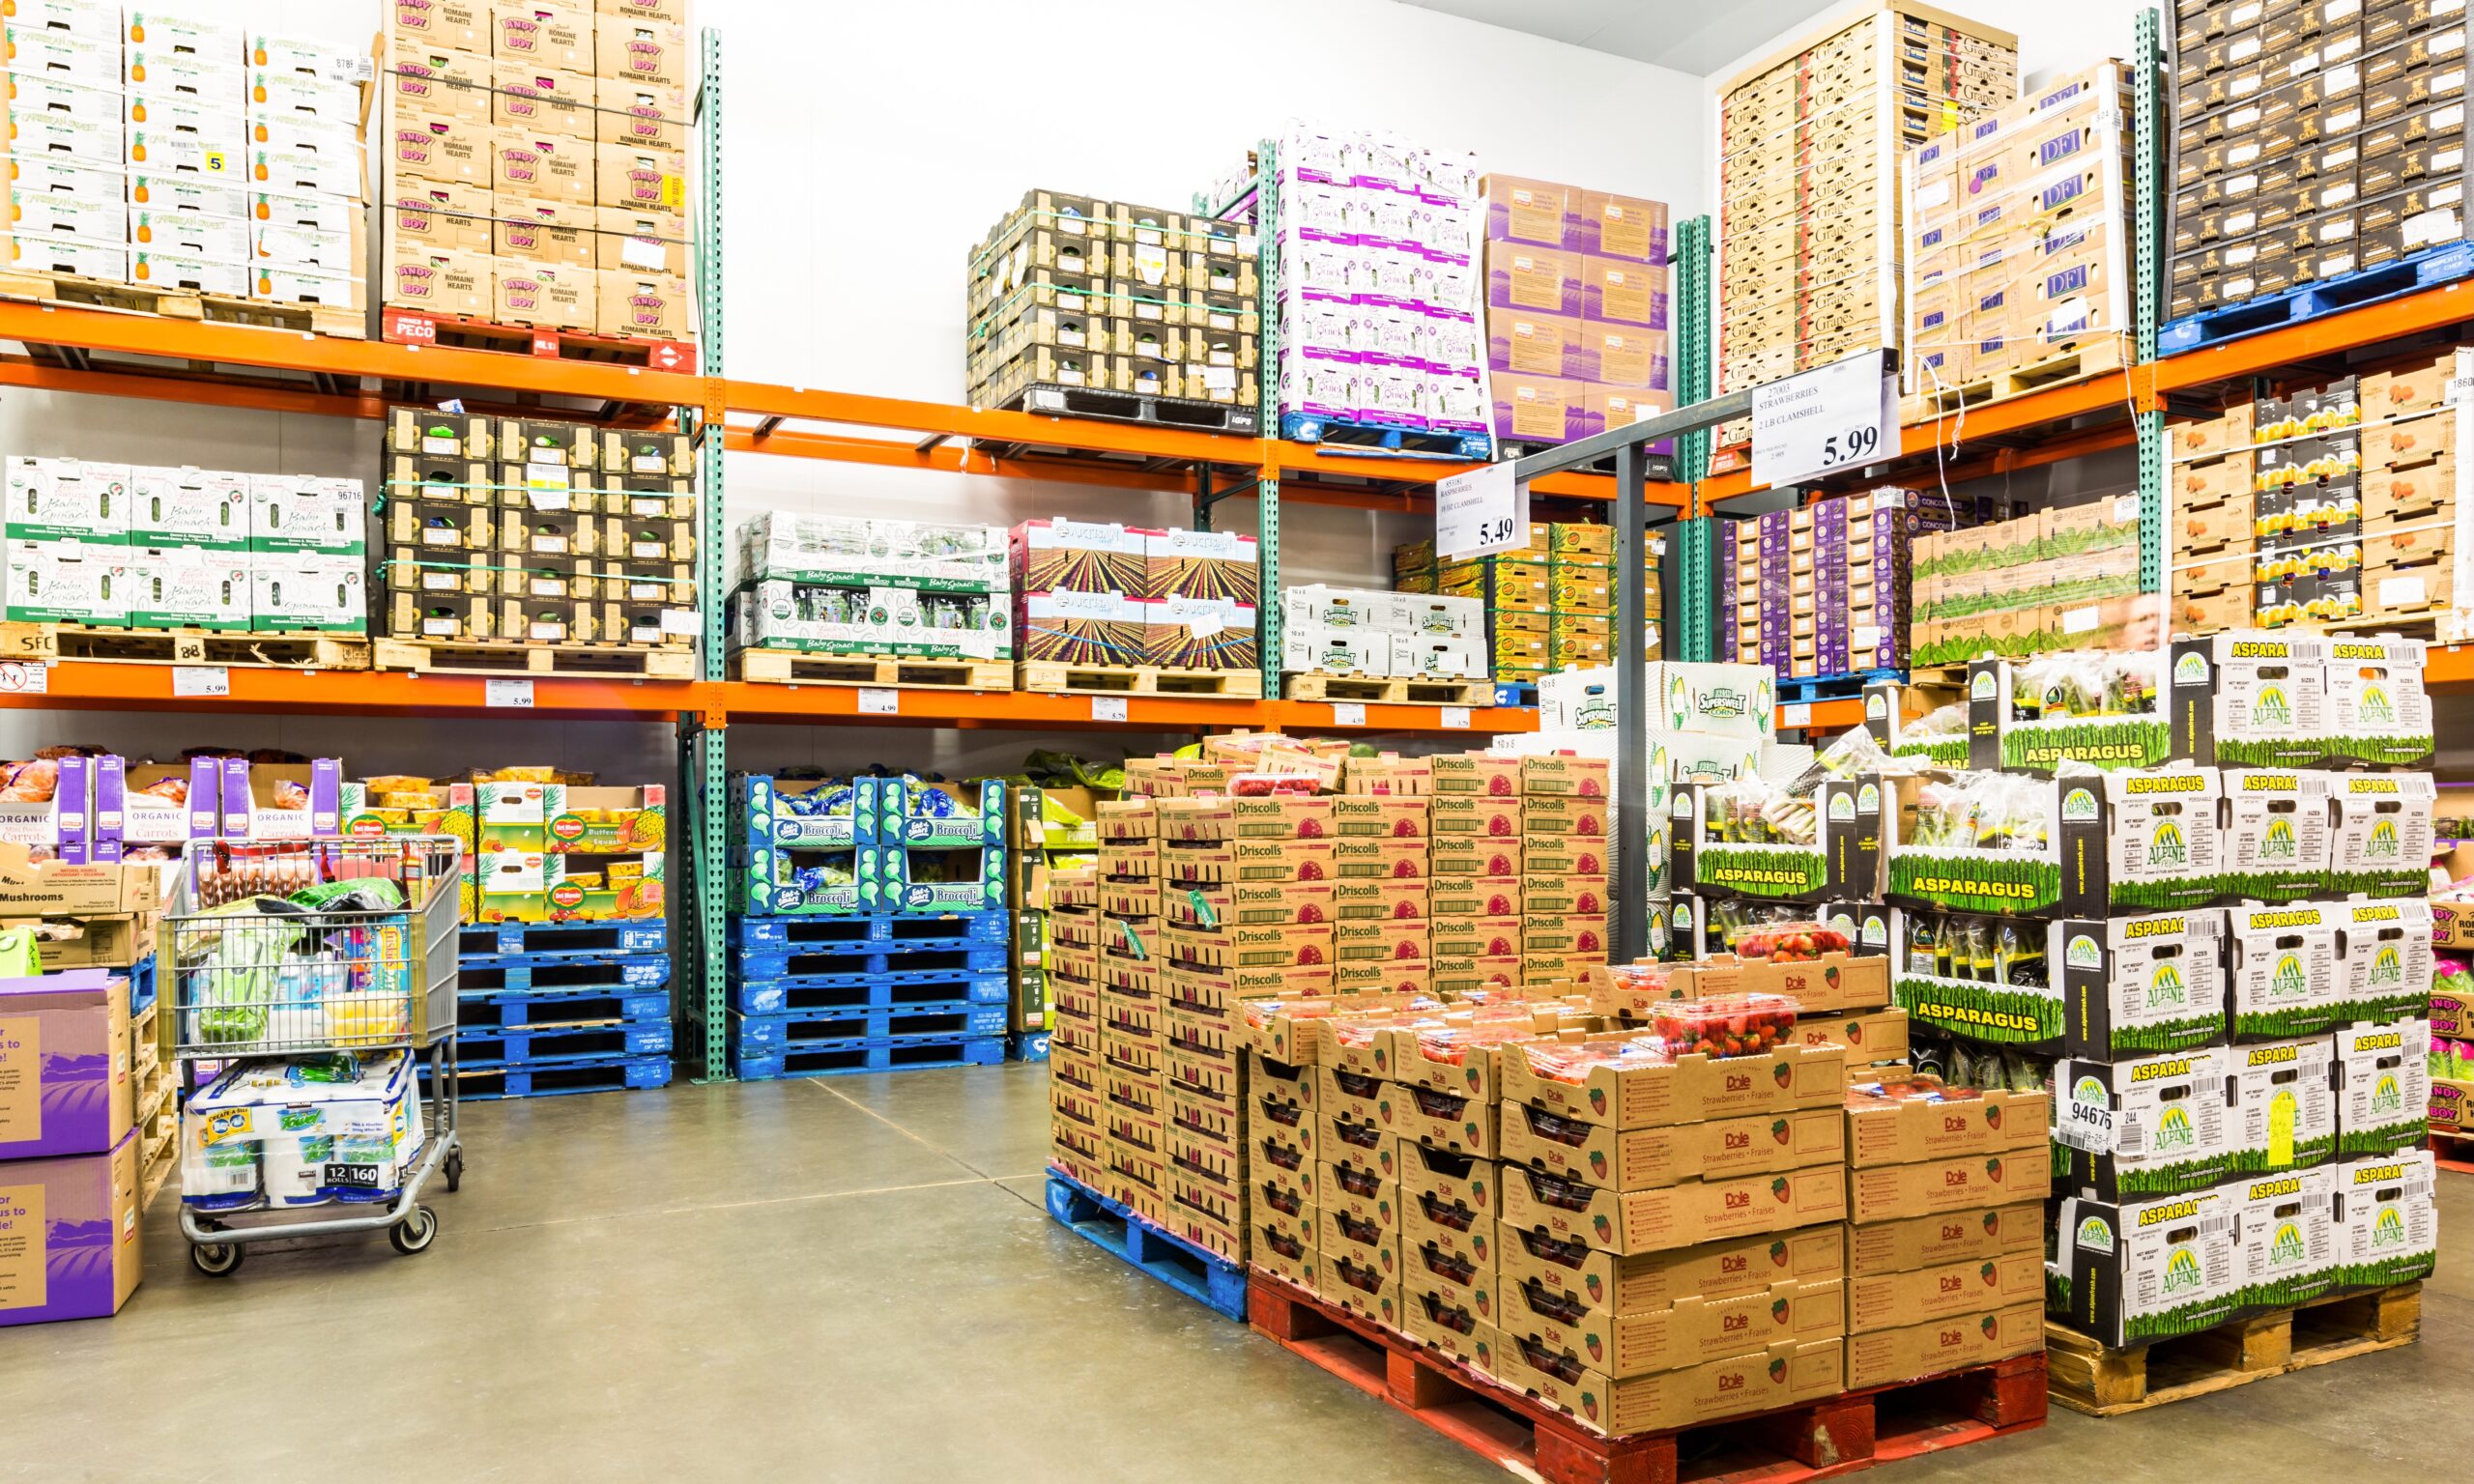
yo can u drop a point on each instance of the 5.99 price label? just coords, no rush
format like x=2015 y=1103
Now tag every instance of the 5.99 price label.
x=1833 y=418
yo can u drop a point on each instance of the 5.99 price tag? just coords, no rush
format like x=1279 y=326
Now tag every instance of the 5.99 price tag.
x=1817 y=423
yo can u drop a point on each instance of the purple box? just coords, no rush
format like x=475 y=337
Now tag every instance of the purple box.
x=111 y=785
x=63 y=1064
x=1829 y=582
x=1539 y=213
x=1543 y=280
x=69 y=1236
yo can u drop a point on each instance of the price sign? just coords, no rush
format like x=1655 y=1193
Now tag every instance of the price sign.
x=1348 y=713
x=201 y=680
x=1108 y=708
x=516 y=694
x=877 y=700
x=24 y=677
x=1836 y=416
x=1480 y=512
x=1455 y=717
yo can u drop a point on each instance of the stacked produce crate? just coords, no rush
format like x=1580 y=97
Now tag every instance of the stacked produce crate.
x=532 y=532
x=866 y=588
x=1101 y=596
x=869 y=929
x=2017 y=230
x=1820 y=591
x=1810 y=199
x=2330 y=505
x=1359 y=632
x=1576 y=310
x=2060 y=579
x=1078 y=1033
x=536 y=169
x=2310 y=149
x=1072 y=293
x=1550 y=607
x=1134 y=1098
x=1054 y=830
x=178 y=153
x=113 y=547
x=1378 y=293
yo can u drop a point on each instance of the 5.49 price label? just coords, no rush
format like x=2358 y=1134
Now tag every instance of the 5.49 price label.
x=1481 y=511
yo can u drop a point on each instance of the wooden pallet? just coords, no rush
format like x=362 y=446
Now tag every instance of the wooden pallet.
x=2451 y=1151
x=1053 y=678
x=48 y=642
x=414 y=326
x=183 y=305
x=1812 y=1441
x=516 y=658
x=2096 y=357
x=1395 y=690
x=2103 y=1382
x=158 y=1129
x=794 y=667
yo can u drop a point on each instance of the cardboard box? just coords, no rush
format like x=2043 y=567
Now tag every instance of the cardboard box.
x=65 y=1060
x=1673 y=1215
x=1693 y=1330
x=542 y=294
x=450 y=149
x=1686 y=1090
x=1612 y=1284
x=1892 y=1247
x=643 y=52
x=1641 y=1158
x=639 y=178
x=544 y=33
x=68 y=581
x=1921 y=1120
x=1766 y=1381
x=640 y=241
x=430 y=217
x=1882 y=1356
x=535 y=231
x=544 y=168
x=1928 y=1187
x=538 y=100
x=642 y=306
x=1944 y=1290
x=1618 y=292
x=642 y=115
x=70 y=1227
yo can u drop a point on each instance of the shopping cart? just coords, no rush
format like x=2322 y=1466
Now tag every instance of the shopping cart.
x=310 y=974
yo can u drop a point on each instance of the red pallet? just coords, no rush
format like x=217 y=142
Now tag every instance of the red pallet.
x=2451 y=1151
x=412 y=326
x=1818 y=1440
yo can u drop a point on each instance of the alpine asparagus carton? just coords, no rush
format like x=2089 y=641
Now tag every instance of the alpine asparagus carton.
x=2387 y=1225
x=2285 y=1227
x=1749 y=839
x=2138 y=839
x=2382 y=1088
x=2260 y=699
x=2140 y=986
x=2284 y=1105
x=2129 y=1272
x=2151 y=1125
x=2034 y=715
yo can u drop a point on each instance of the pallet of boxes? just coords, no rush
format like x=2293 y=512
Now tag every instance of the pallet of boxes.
x=2057 y=580
x=1576 y=311
x=858 y=601
x=1809 y=201
x=1822 y=591
x=535 y=179
x=531 y=546
x=1112 y=609
x=1548 y=607
x=1354 y=644
x=2332 y=504
x=1098 y=308
x=187 y=166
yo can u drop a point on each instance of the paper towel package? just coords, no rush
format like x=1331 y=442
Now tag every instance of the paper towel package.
x=279 y=1132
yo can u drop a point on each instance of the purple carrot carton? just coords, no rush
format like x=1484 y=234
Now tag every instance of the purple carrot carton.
x=64 y=1076
x=69 y=1236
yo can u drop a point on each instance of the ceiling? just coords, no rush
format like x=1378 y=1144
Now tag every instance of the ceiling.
x=1690 y=35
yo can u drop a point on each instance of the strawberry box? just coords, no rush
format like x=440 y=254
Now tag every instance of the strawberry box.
x=1643 y=1091
x=1996 y=1334
x=1690 y=1332
x=1447 y=1240
x=1442 y=1120
x=1378 y=897
x=1407 y=977
x=1288 y=1027
x=1379 y=939
x=1564 y=855
x=1644 y=1158
x=1439 y=1182
x=1930 y=1188
x=1247 y=903
x=1543 y=895
x=1765 y=1381
x=1341 y=1093
x=1578 y=817
x=1673 y=1215
x=1356 y=1281
x=1281 y=1251
x=1456 y=895
x=1384 y=816
x=1570 y=935
x=1355 y=1234
x=1872 y=1038
x=1889 y=1301
x=1489 y=815
x=1921 y=1119
x=1948 y=1237
x=1370 y=1203
x=1479 y=772
x=1558 y=775
x=1607 y=1283
x=1462 y=977
x=1474 y=855
x=1436 y=1313
x=1480 y=937
x=1368 y=858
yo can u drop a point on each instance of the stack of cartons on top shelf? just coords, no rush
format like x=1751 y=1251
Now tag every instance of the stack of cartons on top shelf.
x=1576 y=310
x=1822 y=590
x=537 y=164
x=2015 y=234
x=179 y=153
x=1810 y=147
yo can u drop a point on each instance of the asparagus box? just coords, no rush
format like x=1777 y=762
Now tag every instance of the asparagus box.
x=2139 y=1270
x=2151 y=1125
x=2034 y=715
x=2377 y=711
x=2380 y=845
x=2142 y=840
x=1727 y=839
x=2284 y=1104
x=2385 y=965
x=2277 y=833
x=2383 y=1088
x=2286 y=976
x=2286 y=1228
x=1970 y=986
x=2140 y=986
x=2387 y=1226
x=2248 y=698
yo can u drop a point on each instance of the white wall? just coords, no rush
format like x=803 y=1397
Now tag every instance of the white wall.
x=867 y=150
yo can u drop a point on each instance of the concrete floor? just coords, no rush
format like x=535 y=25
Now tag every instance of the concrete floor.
x=853 y=1280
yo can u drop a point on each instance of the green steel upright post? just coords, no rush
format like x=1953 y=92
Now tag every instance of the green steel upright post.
x=1267 y=490
x=701 y=752
x=2147 y=175
x=1693 y=605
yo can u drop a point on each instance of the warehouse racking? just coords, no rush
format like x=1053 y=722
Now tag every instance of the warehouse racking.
x=67 y=348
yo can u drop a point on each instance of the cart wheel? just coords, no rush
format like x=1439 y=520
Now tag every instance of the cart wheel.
x=217 y=1259
x=454 y=1172
x=415 y=1231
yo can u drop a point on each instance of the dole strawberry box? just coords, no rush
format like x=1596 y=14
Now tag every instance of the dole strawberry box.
x=1690 y=1332
x=1919 y=1118
x=1633 y=1283
x=1614 y=1081
x=1946 y=1236
x=1643 y=1158
x=1673 y=1215
x=1913 y=1351
x=1741 y=1385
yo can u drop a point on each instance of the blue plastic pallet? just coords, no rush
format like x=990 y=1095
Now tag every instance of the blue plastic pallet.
x=915 y=965
x=828 y=992
x=551 y=1079
x=478 y=1011
x=141 y=983
x=1794 y=690
x=1342 y=434
x=778 y=1033
x=645 y=971
x=518 y=1046
x=1511 y=693
x=1027 y=1047
x=564 y=940
x=871 y=1056
x=891 y=934
x=1215 y=1282
x=2310 y=300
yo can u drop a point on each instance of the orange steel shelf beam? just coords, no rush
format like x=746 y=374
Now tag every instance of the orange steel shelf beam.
x=752 y=702
x=2449 y=668
x=250 y=345
x=80 y=685
x=2428 y=309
